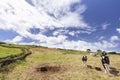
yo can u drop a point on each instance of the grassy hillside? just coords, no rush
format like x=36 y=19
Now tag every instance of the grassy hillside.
x=4 y=51
x=62 y=65
x=15 y=46
x=12 y=49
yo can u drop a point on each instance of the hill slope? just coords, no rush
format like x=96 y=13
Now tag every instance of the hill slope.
x=4 y=51
x=61 y=65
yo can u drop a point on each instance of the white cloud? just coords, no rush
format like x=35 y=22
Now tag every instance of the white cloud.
x=73 y=33
x=83 y=45
x=101 y=37
x=28 y=43
x=16 y=39
x=62 y=42
x=16 y=13
x=55 y=33
x=20 y=16
x=60 y=32
x=118 y=30
x=105 y=26
x=56 y=40
x=114 y=38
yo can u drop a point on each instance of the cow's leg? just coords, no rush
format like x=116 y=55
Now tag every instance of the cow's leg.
x=85 y=63
x=107 y=68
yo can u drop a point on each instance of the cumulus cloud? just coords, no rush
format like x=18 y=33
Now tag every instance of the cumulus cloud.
x=114 y=38
x=73 y=33
x=118 y=30
x=22 y=15
x=62 y=11
x=28 y=43
x=16 y=39
x=60 y=32
x=44 y=14
x=83 y=45
x=105 y=26
x=56 y=40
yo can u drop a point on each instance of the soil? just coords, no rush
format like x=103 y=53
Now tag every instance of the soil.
x=47 y=70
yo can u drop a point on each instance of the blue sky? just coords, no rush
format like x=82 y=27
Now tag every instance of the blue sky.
x=69 y=24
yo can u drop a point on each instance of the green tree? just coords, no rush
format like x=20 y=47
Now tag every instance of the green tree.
x=99 y=51
x=88 y=50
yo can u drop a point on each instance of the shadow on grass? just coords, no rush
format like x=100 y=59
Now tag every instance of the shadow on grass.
x=96 y=68
x=89 y=66
x=114 y=71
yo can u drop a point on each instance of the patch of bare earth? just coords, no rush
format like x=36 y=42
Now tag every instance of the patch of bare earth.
x=49 y=72
x=46 y=71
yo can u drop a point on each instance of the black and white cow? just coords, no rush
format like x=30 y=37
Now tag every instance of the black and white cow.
x=84 y=59
x=105 y=62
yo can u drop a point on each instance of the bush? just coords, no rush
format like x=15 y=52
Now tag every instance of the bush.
x=2 y=43
x=112 y=53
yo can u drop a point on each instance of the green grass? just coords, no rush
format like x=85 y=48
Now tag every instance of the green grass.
x=70 y=60
x=13 y=49
x=17 y=45
x=4 y=77
x=8 y=51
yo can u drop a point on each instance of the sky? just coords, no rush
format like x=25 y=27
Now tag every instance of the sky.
x=66 y=24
